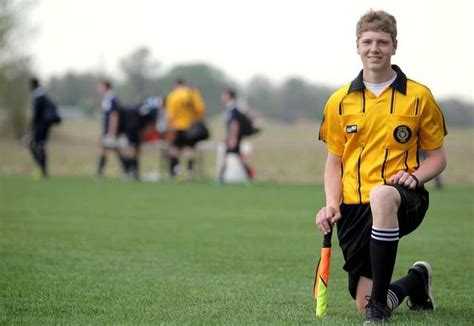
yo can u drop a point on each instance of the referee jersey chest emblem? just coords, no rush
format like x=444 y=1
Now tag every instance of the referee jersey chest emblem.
x=402 y=134
x=351 y=129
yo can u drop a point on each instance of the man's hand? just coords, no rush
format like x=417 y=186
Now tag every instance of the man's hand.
x=325 y=217
x=405 y=179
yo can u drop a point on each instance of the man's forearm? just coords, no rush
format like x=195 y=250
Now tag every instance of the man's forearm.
x=332 y=184
x=432 y=166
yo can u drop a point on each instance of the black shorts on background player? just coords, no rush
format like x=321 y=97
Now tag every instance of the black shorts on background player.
x=129 y=125
x=180 y=140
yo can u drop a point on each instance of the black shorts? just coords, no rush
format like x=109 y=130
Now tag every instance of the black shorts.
x=180 y=140
x=40 y=133
x=133 y=137
x=355 y=227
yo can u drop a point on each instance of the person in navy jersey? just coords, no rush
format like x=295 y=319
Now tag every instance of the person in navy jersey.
x=110 y=124
x=233 y=135
x=233 y=121
x=39 y=126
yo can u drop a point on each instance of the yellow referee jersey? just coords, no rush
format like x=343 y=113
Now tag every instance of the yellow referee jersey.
x=378 y=136
x=184 y=106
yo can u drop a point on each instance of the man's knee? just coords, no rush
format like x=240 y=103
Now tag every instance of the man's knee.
x=384 y=203
x=384 y=197
x=384 y=193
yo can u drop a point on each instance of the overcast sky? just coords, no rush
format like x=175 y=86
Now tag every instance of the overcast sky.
x=307 y=38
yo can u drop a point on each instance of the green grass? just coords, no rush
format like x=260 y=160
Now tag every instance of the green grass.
x=78 y=251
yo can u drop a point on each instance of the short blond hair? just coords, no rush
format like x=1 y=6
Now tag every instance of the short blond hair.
x=377 y=21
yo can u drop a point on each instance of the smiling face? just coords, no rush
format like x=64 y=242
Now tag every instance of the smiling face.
x=376 y=50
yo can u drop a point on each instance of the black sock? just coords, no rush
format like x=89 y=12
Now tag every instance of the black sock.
x=43 y=160
x=134 y=164
x=126 y=164
x=134 y=167
x=102 y=162
x=35 y=150
x=173 y=164
x=403 y=287
x=39 y=154
x=383 y=252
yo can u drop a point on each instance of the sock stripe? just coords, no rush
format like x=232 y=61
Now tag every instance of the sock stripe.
x=392 y=297
x=388 y=234
x=385 y=234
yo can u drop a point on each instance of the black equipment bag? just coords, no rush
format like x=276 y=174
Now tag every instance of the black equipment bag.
x=247 y=127
x=50 y=113
x=197 y=132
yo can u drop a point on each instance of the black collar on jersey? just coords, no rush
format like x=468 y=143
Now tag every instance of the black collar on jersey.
x=400 y=83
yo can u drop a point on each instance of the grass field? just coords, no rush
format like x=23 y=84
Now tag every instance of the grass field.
x=78 y=251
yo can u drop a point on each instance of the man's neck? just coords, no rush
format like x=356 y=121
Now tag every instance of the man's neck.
x=378 y=77
x=109 y=93
x=38 y=91
x=230 y=104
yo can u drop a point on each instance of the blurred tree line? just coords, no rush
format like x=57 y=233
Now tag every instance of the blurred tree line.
x=292 y=100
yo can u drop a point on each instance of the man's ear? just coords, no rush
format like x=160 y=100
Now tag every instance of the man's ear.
x=395 y=44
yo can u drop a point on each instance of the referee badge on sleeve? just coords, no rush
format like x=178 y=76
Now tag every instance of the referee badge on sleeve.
x=402 y=134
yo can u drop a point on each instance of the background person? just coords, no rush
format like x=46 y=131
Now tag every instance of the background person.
x=44 y=115
x=129 y=132
x=374 y=128
x=137 y=123
x=233 y=138
x=110 y=126
x=184 y=106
